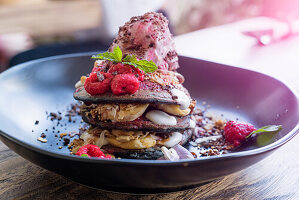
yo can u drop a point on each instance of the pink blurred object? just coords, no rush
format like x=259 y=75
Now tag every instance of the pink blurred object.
x=12 y=44
x=278 y=31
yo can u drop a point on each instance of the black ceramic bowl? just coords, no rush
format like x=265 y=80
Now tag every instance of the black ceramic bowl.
x=28 y=90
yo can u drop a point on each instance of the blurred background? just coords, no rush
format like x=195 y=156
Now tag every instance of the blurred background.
x=40 y=28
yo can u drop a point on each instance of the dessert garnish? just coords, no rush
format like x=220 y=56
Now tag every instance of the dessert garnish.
x=265 y=135
x=91 y=150
x=116 y=56
x=122 y=77
x=237 y=133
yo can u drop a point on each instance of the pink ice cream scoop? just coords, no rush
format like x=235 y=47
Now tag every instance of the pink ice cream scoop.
x=148 y=37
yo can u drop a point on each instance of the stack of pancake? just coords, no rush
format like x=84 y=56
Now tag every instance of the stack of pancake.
x=158 y=114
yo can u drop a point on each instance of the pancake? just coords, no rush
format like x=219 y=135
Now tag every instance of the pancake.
x=148 y=93
x=141 y=124
x=151 y=153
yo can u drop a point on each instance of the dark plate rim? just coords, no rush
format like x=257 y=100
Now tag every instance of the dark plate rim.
x=257 y=151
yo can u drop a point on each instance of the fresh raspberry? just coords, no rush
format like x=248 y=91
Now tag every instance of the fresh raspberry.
x=139 y=74
x=108 y=156
x=120 y=68
x=126 y=69
x=92 y=151
x=98 y=83
x=235 y=133
x=124 y=83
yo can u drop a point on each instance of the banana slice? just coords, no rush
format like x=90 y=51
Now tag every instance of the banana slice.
x=130 y=139
x=118 y=112
x=174 y=109
x=130 y=112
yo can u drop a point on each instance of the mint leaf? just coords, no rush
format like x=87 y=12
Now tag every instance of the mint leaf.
x=84 y=155
x=147 y=66
x=265 y=134
x=266 y=129
x=104 y=56
x=130 y=58
x=144 y=65
x=118 y=54
x=114 y=56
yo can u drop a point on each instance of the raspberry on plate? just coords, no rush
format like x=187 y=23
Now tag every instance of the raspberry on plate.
x=235 y=133
x=92 y=151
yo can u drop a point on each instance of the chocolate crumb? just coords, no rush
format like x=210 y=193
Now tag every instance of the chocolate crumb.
x=36 y=122
x=55 y=116
x=66 y=141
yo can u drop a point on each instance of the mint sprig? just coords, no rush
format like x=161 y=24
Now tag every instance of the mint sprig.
x=144 y=65
x=265 y=134
x=116 y=56
x=84 y=155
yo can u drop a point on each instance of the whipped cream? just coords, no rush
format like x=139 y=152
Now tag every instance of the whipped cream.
x=161 y=118
x=182 y=99
x=174 y=139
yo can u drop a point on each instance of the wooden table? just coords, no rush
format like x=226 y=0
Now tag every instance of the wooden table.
x=276 y=177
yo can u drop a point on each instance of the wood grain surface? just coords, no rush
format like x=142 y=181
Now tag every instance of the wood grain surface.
x=276 y=177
